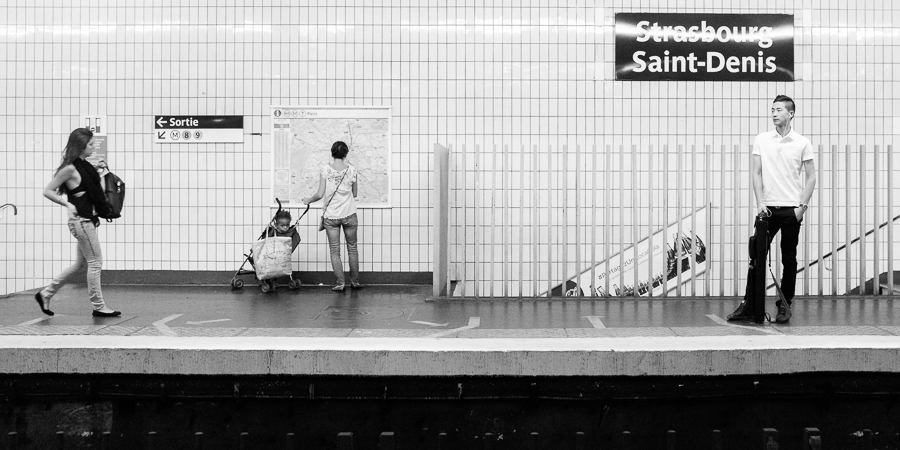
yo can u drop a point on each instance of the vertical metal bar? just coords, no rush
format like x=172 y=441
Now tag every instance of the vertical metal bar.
x=862 y=220
x=491 y=260
x=635 y=219
x=606 y=201
x=678 y=209
x=464 y=224
x=551 y=194
x=478 y=213
x=834 y=221
x=665 y=218
x=578 y=265
x=522 y=222
x=820 y=215
x=535 y=224
x=650 y=193
x=890 y=218
x=848 y=215
x=806 y=270
x=706 y=182
x=564 y=260
x=693 y=209
x=722 y=191
x=621 y=220
x=876 y=205
x=736 y=163
x=593 y=173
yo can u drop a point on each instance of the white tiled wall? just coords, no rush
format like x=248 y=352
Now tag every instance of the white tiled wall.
x=535 y=72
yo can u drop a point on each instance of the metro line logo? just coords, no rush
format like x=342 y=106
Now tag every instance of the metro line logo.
x=704 y=47
x=198 y=129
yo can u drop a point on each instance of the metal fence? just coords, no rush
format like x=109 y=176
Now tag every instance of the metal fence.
x=653 y=221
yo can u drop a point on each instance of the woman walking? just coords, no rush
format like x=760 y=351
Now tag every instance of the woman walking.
x=84 y=200
x=337 y=183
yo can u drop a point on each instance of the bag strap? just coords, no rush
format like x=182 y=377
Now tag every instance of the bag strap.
x=335 y=190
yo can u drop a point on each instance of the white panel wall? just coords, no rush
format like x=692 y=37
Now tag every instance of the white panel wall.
x=490 y=73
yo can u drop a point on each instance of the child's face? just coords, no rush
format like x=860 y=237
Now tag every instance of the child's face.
x=282 y=224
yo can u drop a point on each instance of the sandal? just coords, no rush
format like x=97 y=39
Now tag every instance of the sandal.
x=338 y=288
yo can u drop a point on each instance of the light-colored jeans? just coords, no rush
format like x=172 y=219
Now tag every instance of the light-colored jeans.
x=90 y=255
x=333 y=230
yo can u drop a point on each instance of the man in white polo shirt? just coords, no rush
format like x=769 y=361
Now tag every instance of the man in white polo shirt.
x=780 y=157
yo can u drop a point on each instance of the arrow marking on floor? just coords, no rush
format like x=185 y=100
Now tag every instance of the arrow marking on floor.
x=430 y=324
x=474 y=322
x=595 y=321
x=163 y=328
x=32 y=322
x=207 y=321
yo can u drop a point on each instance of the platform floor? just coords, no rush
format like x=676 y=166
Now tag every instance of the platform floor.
x=405 y=311
x=396 y=331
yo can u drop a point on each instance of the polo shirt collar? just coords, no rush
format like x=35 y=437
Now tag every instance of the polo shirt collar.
x=791 y=136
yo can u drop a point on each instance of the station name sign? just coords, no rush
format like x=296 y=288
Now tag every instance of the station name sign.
x=198 y=129
x=704 y=47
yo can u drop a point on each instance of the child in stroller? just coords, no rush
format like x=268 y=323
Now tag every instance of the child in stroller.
x=280 y=226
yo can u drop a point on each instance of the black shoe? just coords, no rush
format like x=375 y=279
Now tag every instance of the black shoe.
x=40 y=301
x=106 y=314
x=741 y=313
x=784 y=312
x=356 y=285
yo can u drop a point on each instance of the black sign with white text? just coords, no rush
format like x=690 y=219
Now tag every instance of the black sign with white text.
x=704 y=47
x=198 y=129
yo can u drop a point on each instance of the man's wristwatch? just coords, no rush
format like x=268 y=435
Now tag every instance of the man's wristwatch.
x=804 y=206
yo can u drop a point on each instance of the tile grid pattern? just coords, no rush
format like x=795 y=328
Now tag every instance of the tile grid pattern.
x=536 y=72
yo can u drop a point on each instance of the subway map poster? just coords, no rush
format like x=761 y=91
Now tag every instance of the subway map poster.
x=301 y=145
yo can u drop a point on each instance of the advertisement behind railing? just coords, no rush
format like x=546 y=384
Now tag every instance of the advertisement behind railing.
x=615 y=276
x=704 y=47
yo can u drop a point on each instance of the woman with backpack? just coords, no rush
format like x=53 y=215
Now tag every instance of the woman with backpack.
x=86 y=203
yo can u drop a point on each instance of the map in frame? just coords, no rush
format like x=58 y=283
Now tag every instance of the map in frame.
x=301 y=145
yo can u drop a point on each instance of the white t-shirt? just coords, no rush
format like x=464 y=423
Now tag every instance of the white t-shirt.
x=782 y=166
x=343 y=204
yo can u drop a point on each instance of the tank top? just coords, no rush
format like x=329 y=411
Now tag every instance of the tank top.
x=343 y=204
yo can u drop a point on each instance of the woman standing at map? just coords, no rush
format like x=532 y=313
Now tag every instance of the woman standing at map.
x=337 y=183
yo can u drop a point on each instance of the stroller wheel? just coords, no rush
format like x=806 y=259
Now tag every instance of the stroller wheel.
x=237 y=283
x=295 y=284
x=264 y=286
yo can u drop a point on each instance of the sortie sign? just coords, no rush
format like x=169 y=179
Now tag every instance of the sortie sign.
x=198 y=129
x=704 y=47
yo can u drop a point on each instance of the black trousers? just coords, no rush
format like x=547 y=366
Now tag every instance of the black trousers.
x=783 y=219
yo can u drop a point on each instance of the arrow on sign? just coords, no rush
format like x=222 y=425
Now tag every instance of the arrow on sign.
x=160 y=134
x=161 y=122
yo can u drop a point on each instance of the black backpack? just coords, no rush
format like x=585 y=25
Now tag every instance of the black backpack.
x=115 y=196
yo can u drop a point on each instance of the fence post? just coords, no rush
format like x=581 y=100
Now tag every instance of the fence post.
x=289 y=441
x=812 y=439
x=770 y=439
x=488 y=441
x=386 y=441
x=345 y=441
x=579 y=441
x=716 y=440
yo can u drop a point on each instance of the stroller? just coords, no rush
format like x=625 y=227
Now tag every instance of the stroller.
x=264 y=285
